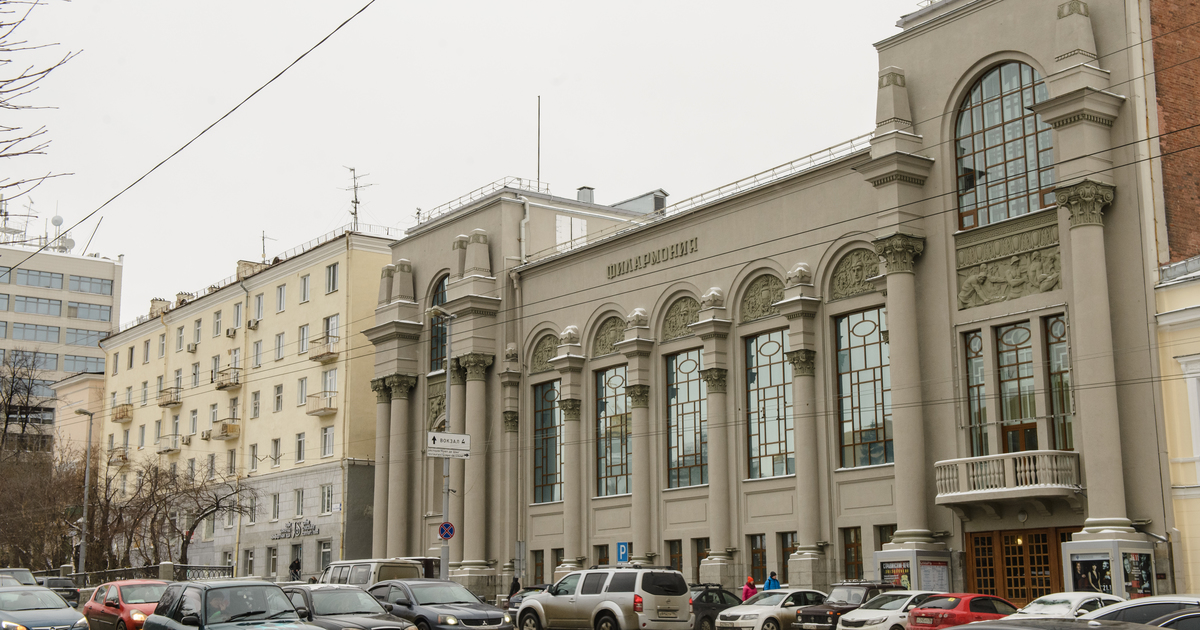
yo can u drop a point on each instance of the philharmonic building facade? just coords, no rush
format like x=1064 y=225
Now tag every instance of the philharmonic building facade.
x=926 y=355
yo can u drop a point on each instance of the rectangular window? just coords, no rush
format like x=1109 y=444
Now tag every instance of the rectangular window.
x=254 y=404
x=331 y=278
x=329 y=326
x=252 y=513
x=179 y=378
x=883 y=535
x=601 y=552
x=44 y=279
x=159 y=382
x=299 y=447
x=197 y=326
x=231 y=461
x=217 y=324
x=613 y=433
x=1059 y=365
x=758 y=557
x=687 y=421
x=852 y=552
x=701 y=547
x=38 y=306
x=162 y=345
x=272 y=561
x=275 y=506
x=23 y=359
x=1014 y=353
x=557 y=556
x=5 y=275
x=769 y=406
x=539 y=566
x=569 y=232
x=547 y=444
x=157 y=431
x=34 y=332
x=253 y=460
x=280 y=298
x=256 y=354
x=214 y=369
x=195 y=375
x=279 y=398
x=146 y=351
x=193 y=421
x=130 y=365
x=129 y=395
x=191 y=469
x=73 y=363
x=299 y=501
x=179 y=339
x=141 y=436
x=3 y=301
x=94 y=312
x=84 y=284
x=304 y=284
x=325 y=550
x=212 y=415
x=237 y=314
x=329 y=380
x=864 y=389
x=675 y=554
x=326 y=441
x=437 y=329
x=327 y=499
x=976 y=394
x=3 y=330
x=275 y=454
x=145 y=392
x=279 y=344
x=212 y=465
x=302 y=340
x=301 y=390
x=235 y=358
x=258 y=306
x=787 y=546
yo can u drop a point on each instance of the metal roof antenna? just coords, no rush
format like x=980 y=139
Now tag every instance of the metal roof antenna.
x=265 y=238
x=354 y=201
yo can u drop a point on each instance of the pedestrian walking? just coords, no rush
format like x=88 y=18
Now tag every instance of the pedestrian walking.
x=772 y=583
x=748 y=589
x=294 y=568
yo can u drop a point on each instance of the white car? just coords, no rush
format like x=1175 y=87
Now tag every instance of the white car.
x=1144 y=609
x=1065 y=605
x=768 y=610
x=887 y=611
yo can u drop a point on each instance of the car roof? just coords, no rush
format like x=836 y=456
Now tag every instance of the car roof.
x=415 y=581
x=1051 y=623
x=131 y=582
x=1076 y=596
x=1182 y=612
x=227 y=583
x=25 y=587
x=325 y=587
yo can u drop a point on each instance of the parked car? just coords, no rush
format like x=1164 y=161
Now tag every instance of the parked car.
x=24 y=576
x=123 y=605
x=227 y=604
x=1183 y=619
x=8 y=580
x=37 y=607
x=886 y=611
x=342 y=607
x=708 y=600
x=843 y=598
x=769 y=610
x=1066 y=605
x=1053 y=623
x=955 y=609
x=64 y=586
x=626 y=597
x=1144 y=609
x=511 y=604
x=370 y=571
x=438 y=604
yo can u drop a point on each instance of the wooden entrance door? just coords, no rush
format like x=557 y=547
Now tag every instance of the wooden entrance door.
x=1018 y=565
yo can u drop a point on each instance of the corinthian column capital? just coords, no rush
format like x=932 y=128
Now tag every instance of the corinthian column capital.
x=511 y=422
x=1085 y=201
x=639 y=396
x=714 y=378
x=400 y=384
x=570 y=409
x=804 y=362
x=476 y=365
x=383 y=393
x=900 y=251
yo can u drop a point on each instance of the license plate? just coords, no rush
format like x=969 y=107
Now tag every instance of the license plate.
x=925 y=620
x=666 y=614
x=814 y=626
x=725 y=624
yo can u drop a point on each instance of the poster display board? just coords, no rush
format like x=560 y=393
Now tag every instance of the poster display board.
x=898 y=573
x=1139 y=574
x=935 y=575
x=1092 y=572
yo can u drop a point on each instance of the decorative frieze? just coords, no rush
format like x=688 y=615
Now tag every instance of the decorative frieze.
x=511 y=422
x=400 y=384
x=545 y=350
x=714 y=379
x=804 y=362
x=608 y=334
x=639 y=396
x=851 y=272
x=760 y=298
x=1085 y=201
x=1008 y=260
x=570 y=409
x=684 y=311
x=900 y=252
x=383 y=393
x=476 y=365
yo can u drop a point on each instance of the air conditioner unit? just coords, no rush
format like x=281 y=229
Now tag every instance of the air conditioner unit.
x=230 y=332
x=205 y=434
x=191 y=347
x=252 y=324
x=186 y=440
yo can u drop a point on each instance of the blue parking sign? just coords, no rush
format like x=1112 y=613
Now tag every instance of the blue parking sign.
x=622 y=552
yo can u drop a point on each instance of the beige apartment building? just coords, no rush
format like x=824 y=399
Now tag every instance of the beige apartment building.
x=926 y=354
x=263 y=377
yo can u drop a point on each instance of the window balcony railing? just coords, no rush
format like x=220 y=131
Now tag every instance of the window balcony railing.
x=168 y=444
x=170 y=397
x=118 y=456
x=324 y=348
x=227 y=429
x=1031 y=477
x=322 y=404
x=123 y=413
x=229 y=378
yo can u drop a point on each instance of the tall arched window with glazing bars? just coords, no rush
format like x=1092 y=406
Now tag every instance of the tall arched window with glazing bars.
x=437 y=328
x=613 y=428
x=1005 y=153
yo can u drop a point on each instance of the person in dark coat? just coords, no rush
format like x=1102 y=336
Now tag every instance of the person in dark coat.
x=514 y=587
x=294 y=568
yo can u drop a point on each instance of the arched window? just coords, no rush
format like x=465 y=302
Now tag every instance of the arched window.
x=1005 y=152
x=437 y=328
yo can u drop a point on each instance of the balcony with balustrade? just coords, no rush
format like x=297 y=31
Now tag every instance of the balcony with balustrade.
x=122 y=413
x=229 y=378
x=227 y=429
x=1037 y=479
x=322 y=404
x=170 y=397
x=324 y=348
x=118 y=456
x=168 y=444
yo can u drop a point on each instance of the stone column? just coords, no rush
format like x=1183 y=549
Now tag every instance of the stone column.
x=456 y=423
x=640 y=474
x=899 y=252
x=512 y=443
x=397 y=488
x=1092 y=357
x=806 y=564
x=719 y=435
x=475 y=521
x=379 y=514
x=572 y=501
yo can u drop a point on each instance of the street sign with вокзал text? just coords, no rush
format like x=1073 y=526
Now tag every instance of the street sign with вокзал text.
x=450 y=445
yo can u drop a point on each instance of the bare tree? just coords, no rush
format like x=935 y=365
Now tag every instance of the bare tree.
x=26 y=404
x=42 y=495
x=18 y=79
x=203 y=498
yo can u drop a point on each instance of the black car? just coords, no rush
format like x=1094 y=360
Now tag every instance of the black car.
x=225 y=604
x=707 y=601
x=1050 y=623
x=37 y=607
x=341 y=607
x=440 y=604
x=65 y=587
x=511 y=604
x=1186 y=619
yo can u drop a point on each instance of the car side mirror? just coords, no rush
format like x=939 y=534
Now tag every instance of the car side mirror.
x=73 y=604
x=190 y=620
x=1081 y=612
x=909 y=607
x=303 y=613
x=403 y=601
x=111 y=604
x=388 y=608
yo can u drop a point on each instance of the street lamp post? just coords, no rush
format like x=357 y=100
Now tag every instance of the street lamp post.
x=444 y=569
x=87 y=482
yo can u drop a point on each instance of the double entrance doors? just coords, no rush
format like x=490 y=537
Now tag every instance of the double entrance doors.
x=1018 y=565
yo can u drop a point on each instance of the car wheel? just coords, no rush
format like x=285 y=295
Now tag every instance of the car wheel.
x=423 y=625
x=606 y=622
x=897 y=627
x=706 y=623
x=770 y=624
x=531 y=622
x=121 y=625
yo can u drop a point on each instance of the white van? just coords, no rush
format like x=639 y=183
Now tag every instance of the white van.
x=369 y=571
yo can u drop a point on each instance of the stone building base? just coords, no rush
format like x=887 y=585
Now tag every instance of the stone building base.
x=483 y=581
x=808 y=570
x=721 y=570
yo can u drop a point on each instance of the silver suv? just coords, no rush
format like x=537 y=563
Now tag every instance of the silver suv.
x=611 y=598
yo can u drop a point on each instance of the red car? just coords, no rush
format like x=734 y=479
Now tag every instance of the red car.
x=122 y=605
x=954 y=609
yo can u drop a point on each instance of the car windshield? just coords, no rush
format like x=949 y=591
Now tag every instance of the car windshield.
x=442 y=593
x=887 y=601
x=846 y=595
x=142 y=593
x=30 y=599
x=247 y=603
x=344 y=602
x=765 y=598
x=24 y=576
x=8 y=580
x=1049 y=605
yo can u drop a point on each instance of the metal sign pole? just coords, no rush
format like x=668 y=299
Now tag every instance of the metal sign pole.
x=444 y=571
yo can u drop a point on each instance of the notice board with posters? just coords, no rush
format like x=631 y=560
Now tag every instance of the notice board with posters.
x=898 y=573
x=1092 y=572
x=935 y=575
x=1139 y=574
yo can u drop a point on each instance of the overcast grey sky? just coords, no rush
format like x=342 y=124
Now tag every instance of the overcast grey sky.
x=428 y=100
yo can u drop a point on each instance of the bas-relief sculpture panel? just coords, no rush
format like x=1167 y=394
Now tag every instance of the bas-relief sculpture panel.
x=545 y=350
x=684 y=311
x=760 y=298
x=1008 y=260
x=607 y=335
x=851 y=273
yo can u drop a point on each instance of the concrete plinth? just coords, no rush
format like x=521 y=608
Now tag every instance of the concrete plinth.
x=565 y=568
x=1121 y=563
x=808 y=570
x=721 y=570
x=923 y=566
x=483 y=581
